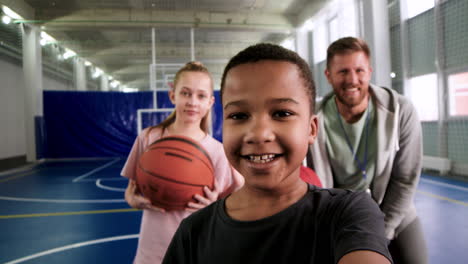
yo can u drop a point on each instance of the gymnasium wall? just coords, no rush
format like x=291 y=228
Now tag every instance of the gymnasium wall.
x=12 y=120
x=12 y=136
x=87 y=124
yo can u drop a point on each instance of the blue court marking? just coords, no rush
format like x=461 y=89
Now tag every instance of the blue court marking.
x=72 y=246
x=96 y=170
x=444 y=189
x=23 y=237
x=49 y=188
x=441 y=204
x=443 y=184
x=38 y=200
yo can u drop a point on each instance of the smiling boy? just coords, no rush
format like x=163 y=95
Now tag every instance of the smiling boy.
x=268 y=97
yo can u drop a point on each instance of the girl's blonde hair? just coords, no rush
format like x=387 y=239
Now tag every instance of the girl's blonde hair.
x=193 y=66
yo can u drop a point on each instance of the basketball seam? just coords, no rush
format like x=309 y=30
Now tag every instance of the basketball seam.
x=184 y=140
x=178 y=156
x=210 y=166
x=167 y=179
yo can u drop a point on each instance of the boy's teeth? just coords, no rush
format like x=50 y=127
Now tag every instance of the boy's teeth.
x=262 y=158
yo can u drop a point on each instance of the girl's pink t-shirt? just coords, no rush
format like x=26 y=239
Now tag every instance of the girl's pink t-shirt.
x=157 y=228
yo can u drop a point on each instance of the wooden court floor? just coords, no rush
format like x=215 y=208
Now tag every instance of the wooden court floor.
x=74 y=212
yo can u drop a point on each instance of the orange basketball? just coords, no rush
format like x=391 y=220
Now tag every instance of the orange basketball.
x=172 y=170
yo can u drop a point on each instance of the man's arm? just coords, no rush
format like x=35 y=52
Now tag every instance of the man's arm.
x=406 y=170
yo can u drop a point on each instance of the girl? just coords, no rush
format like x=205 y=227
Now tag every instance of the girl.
x=192 y=95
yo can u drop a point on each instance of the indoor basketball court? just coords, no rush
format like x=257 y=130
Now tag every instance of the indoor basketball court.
x=81 y=79
x=74 y=212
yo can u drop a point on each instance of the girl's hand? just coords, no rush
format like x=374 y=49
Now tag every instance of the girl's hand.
x=136 y=200
x=210 y=197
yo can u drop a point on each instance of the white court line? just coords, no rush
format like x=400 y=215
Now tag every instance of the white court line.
x=72 y=246
x=96 y=170
x=445 y=184
x=100 y=185
x=60 y=200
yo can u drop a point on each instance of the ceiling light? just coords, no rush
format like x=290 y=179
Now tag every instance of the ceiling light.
x=129 y=90
x=10 y=13
x=87 y=63
x=68 y=54
x=114 y=84
x=46 y=39
x=6 y=20
x=97 y=72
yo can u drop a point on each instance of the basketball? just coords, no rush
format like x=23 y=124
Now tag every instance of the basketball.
x=172 y=170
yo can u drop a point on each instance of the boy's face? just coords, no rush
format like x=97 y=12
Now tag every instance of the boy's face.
x=267 y=124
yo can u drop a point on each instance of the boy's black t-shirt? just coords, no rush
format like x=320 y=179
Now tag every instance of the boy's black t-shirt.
x=320 y=228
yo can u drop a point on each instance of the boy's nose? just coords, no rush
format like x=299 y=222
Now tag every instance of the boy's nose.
x=260 y=132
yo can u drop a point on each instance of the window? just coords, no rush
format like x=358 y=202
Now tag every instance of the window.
x=417 y=7
x=288 y=44
x=333 y=30
x=320 y=43
x=458 y=94
x=423 y=93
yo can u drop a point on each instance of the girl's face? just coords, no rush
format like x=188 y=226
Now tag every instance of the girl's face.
x=192 y=96
x=267 y=124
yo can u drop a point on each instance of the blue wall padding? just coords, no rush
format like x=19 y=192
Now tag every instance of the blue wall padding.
x=39 y=130
x=81 y=124
x=217 y=117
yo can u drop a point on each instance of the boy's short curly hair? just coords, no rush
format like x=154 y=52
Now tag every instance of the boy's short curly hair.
x=267 y=51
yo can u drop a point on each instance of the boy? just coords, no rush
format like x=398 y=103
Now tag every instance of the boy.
x=268 y=97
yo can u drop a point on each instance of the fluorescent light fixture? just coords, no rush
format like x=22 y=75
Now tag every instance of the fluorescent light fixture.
x=114 y=84
x=10 y=13
x=46 y=39
x=97 y=72
x=87 y=63
x=129 y=90
x=68 y=54
x=6 y=20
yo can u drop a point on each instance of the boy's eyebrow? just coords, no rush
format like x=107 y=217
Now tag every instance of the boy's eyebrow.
x=282 y=100
x=270 y=101
x=235 y=103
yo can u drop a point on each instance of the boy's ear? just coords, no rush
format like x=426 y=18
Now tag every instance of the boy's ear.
x=313 y=129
